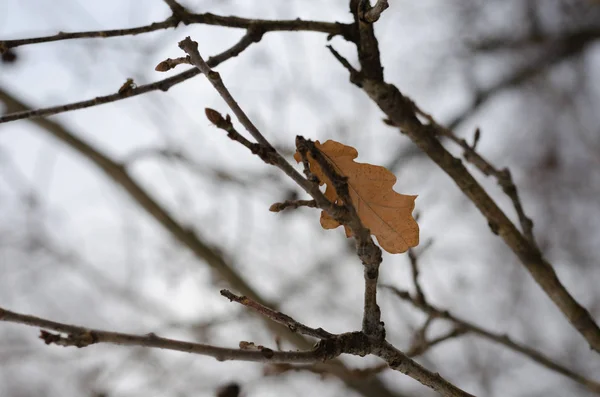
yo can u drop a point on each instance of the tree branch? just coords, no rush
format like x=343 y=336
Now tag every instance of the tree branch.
x=414 y=265
x=278 y=207
x=276 y=316
x=399 y=361
x=371 y=340
x=170 y=22
x=264 y=25
x=83 y=337
x=502 y=339
x=251 y=36
x=402 y=112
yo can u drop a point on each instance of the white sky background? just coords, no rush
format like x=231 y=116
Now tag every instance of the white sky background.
x=289 y=84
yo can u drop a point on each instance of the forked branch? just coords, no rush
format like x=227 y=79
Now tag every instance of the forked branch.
x=371 y=340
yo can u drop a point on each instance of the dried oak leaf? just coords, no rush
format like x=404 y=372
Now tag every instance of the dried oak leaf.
x=386 y=213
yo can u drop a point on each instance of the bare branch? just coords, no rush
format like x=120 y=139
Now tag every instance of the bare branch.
x=191 y=48
x=354 y=373
x=402 y=112
x=293 y=204
x=171 y=63
x=170 y=22
x=422 y=344
x=502 y=339
x=82 y=337
x=414 y=265
x=250 y=37
x=503 y=177
x=263 y=148
x=278 y=317
x=264 y=25
x=401 y=362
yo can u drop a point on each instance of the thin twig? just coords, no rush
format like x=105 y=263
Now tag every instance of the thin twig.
x=82 y=337
x=191 y=48
x=170 y=22
x=502 y=339
x=503 y=177
x=292 y=204
x=414 y=265
x=250 y=37
x=332 y=29
x=278 y=317
x=421 y=344
x=171 y=63
x=420 y=336
x=268 y=153
x=401 y=362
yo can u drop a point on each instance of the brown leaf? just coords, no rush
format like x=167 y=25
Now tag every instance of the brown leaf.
x=386 y=213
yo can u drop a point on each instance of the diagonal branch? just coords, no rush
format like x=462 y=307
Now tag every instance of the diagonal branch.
x=503 y=177
x=276 y=316
x=402 y=112
x=414 y=266
x=502 y=339
x=399 y=361
x=251 y=36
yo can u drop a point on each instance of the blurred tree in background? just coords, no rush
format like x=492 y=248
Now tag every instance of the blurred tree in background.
x=131 y=215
